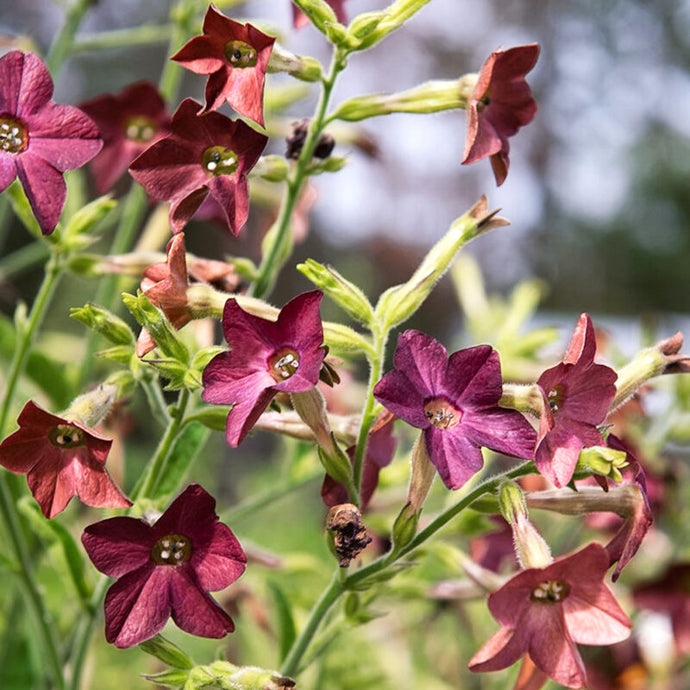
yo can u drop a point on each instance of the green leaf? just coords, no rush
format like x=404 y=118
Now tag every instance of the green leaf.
x=167 y=652
x=185 y=450
x=286 y=623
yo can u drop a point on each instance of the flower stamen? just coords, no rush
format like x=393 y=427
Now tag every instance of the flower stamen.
x=66 y=436
x=283 y=364
x=218 y=160
x=140 y=129
x=240 y=54
x=13 y=135
x=550 y=591
x=172 y=549
x=442 y=414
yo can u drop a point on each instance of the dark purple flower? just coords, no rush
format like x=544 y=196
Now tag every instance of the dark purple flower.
x=166 y=569
x=39 y=139
x=501 y=103
x=299 y=19
x=61 y=458
x=235 y=57
x=577 y=394
x=204 y=155
x=266 y=358
x=129 y=123
x=455 y=401
x=545 y=612
x=379 y=453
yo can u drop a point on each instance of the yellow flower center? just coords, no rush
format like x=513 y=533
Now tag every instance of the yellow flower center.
x=66 y=436
x=217 y=160
x=283 y=364
x=241 y=54
x=550 y=591
x=139 y=128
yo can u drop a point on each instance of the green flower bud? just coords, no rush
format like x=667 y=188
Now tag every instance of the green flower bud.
x=602 y=460
x=344 y=293
x=393 y=18
x=429 y=97
x=404 y=527
x=299 y=66
x=530 y=548
x=167 y=652
x=398 y=303
x=362 y=26
x=336 y=463
x=104 y=322
x=323 y=17
x=328 y=165
x=86 y=218
x=91 y=408
x=272 y=168
x=511 y=501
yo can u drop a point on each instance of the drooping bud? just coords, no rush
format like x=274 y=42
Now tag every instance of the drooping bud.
x=350 y=536
x=310 y=405
x=299 y=66
x=91 y=408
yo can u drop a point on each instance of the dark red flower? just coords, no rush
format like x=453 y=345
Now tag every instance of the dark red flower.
x=545 y=612
x=501 y=103
x=166 y=569
x=129 y=123
x=265 y=358
x=39 y=139
x=455 y=401
x=299 y=19
x=577 y=394
x=235 y=57
x=61 y=458
x=204 y=155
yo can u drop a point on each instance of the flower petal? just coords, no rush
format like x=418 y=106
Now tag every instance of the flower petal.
x=501 y=650
x=222 y=562
x=455 y=457
x=118 y=545
x=44 y=188
x=505 y=431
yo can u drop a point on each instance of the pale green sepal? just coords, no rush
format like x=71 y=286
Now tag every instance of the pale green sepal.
x=104 y=322
x=167 y=652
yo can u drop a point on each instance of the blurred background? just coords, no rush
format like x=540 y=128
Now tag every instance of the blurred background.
x=598 y=190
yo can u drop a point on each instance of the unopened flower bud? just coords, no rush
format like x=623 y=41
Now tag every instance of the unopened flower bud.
x=661 y=358
x=299 y=66
x=398 y=303
x=530 y=548
x=91 y=408
x=511 y=501
x=344 y=293
x=310 y=405
x=322 y=16
x=605 y=461
x=368 y=29
x=350 y=536
x=404 y=527
x=104 y=322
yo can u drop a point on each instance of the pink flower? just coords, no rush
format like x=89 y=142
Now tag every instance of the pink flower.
x=545 y=612
x=577 y=394
x=454 y=400
x=129 y=123
x=299 y=19
x=61 y=458
x=235 y=57
x=204 y=155
x=501 y=103
x=265 y=358
x=39 y=139
x=166 y=569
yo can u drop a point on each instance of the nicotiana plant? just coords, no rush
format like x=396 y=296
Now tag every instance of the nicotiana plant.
x=339 y=585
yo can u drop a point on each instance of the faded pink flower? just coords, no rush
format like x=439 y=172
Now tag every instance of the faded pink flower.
x=299 y=19
x=39 y=139
x=205 y=155
x=545 y=612
x=577 y=394
x=166 y=569
x=501 y=103
x=129 y=123
x=61 y=458
x=235 y=56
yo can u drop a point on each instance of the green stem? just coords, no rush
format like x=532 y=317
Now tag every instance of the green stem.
x=154 y=472
x=121 y=38
x=22 y=349
x=440 y=521
x=328 y=597
x=63 y=41
x=274 y=258
x=375 y=365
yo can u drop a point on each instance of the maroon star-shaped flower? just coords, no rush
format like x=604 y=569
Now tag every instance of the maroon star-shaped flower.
x=166 y=569
x=204 y=155
x=39 y=139
x=299 y=19
x=235 y=56
x=545 y=612
x=265 y=358
x=501 y=103
x=61 y=458
x=454 y=400
x=129 y=123
x=577 y=394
